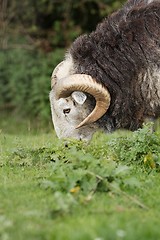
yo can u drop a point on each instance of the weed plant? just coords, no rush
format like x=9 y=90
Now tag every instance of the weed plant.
x=105 y=189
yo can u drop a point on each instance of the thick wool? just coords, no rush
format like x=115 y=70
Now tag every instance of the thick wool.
x=123 y=54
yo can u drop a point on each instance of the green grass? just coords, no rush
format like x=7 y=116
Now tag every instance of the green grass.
x=51 y=189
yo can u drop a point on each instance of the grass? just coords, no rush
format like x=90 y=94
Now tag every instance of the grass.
x=51 y=189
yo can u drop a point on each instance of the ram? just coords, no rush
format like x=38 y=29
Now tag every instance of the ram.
x=110 y=78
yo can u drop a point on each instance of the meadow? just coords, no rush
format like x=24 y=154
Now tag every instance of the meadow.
x=107 y=189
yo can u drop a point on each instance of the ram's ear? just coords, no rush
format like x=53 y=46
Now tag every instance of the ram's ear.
x=79 y=97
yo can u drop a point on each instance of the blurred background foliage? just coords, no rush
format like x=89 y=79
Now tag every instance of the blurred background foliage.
x=34 y=35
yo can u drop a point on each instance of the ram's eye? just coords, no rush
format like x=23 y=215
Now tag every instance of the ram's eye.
x=66 y=111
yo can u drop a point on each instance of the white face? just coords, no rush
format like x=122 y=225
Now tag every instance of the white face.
x=67 y=113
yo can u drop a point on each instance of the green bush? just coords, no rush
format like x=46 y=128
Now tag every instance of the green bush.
x=25 y=81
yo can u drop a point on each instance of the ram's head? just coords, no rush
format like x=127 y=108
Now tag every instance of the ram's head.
x=77 y=102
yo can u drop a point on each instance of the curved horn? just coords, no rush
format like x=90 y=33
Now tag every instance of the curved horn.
x=54 y=74
x=85 y=83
